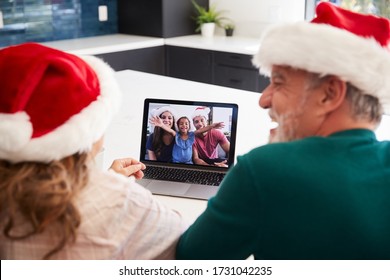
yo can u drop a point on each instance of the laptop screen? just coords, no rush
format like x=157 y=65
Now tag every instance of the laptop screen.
x=189 y=133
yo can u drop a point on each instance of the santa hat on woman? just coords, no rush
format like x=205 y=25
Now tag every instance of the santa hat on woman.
x=158 y=111
x=352 y=46
x=52 y=104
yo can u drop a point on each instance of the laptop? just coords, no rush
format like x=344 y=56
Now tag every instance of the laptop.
x=171 y=170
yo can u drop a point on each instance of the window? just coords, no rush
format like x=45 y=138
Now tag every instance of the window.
x=376 y=7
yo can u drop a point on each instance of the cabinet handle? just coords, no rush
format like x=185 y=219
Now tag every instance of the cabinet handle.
x=235 y=57
x=235 y=81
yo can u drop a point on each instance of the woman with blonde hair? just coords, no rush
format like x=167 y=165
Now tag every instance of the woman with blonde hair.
x=54 y=202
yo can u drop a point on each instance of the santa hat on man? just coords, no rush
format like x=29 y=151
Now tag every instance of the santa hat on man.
x=52 y=104
x=339 y=42
x=201 y=112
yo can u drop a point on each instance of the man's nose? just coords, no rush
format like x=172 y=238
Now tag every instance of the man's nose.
x=265 y=100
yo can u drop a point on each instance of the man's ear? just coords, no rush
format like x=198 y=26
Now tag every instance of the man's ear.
x=333 y=94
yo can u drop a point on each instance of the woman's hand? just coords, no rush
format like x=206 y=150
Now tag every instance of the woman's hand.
x=157 y=121
x=128 y=167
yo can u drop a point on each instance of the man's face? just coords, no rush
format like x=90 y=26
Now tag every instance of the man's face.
x=292 y=105
x=199 y=122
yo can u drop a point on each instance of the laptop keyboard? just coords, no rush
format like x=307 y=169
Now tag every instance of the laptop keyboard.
x=184 y=175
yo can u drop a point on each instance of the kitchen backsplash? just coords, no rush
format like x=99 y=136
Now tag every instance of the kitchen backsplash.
x=49 y=20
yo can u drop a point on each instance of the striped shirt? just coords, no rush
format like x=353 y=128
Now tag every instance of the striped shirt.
x=120 y=220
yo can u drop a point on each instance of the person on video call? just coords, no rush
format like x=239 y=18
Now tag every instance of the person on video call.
x=184 y=138
x=160 y=143
x=205 y=149
x=55 y=203
x=322 y=189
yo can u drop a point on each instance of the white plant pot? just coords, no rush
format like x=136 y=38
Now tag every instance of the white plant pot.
x=207 y=29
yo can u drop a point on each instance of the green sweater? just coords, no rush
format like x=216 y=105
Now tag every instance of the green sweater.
x=316 y=198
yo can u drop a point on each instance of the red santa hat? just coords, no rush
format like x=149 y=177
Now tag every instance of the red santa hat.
x=338 y=42
x=52 y=104
x=201 y=112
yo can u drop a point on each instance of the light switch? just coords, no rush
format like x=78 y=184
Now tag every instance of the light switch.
x=103 y=13
x=1 y=20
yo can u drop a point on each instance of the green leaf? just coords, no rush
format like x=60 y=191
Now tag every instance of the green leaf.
x=204 y=15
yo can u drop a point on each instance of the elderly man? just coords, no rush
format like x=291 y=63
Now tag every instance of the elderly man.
x=322 y=189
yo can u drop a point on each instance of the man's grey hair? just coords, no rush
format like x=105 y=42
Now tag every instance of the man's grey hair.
x=363 y=106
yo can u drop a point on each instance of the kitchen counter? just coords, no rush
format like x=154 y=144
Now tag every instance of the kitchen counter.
x=121 y=42
x=105 y=44
x=234 y=44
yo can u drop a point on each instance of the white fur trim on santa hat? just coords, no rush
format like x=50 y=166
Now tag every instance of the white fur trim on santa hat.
x=15 y=130
x=324 y=49
x=201 y=112
x=158 y=111
x=80 y=132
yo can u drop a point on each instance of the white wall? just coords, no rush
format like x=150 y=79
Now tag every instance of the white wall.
x=252 y=16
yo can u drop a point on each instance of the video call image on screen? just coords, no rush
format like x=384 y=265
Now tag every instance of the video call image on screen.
x=173 y=132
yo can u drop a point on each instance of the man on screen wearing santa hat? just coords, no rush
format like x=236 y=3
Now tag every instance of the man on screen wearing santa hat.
x=205 y=148
x=54 y=201
x=321 y=190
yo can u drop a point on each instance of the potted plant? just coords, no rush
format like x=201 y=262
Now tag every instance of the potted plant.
x=229 y=28
x=206 y=19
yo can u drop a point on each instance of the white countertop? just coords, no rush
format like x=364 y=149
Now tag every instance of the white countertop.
x=105 y=44
x=123 y=42
x=234 y=44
